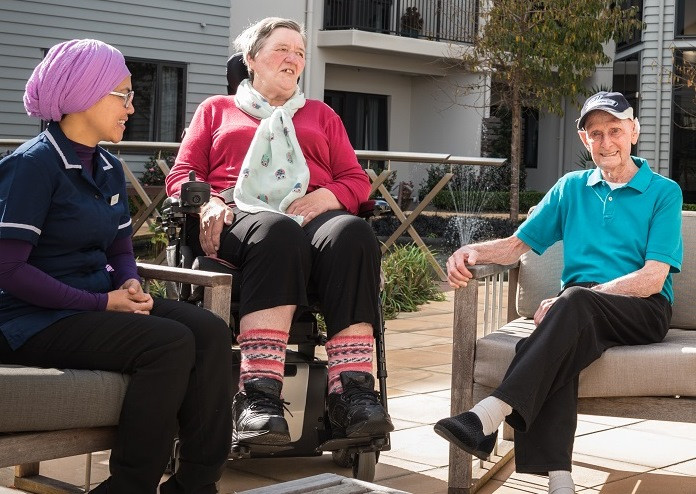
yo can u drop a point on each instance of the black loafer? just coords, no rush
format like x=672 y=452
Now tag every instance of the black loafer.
x=465 y=431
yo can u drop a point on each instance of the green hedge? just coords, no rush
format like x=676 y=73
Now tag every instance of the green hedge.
x=689 y=207
x=491 y=201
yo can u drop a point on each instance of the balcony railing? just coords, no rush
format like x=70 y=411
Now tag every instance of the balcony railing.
x=438 y=20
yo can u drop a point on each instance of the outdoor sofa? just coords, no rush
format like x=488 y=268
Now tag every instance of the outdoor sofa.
x=653 y=382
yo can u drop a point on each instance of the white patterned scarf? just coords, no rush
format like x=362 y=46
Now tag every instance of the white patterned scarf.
x=274 y=172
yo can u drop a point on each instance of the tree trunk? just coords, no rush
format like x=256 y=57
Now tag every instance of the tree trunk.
x=515 y=154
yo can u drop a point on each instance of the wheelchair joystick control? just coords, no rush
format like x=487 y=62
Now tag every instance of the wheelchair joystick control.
x=193 y=194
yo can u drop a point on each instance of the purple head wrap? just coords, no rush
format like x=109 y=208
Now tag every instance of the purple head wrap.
x=73 y=76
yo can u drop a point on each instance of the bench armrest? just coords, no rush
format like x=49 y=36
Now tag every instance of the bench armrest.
x=464 y=334
x=481 y=271
x=217 y=291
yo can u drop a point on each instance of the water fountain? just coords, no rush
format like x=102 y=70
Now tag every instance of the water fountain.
x=470 y=195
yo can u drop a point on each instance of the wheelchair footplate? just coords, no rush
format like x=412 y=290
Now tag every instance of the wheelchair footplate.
x=243 y=450
x=358 y=444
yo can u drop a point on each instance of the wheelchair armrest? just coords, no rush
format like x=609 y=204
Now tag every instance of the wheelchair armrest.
x=217 y=286
x=373 y=208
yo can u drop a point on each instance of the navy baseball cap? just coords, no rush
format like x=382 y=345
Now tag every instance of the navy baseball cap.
x=613 y=103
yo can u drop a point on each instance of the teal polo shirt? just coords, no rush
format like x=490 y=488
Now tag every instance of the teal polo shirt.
x=609 y=233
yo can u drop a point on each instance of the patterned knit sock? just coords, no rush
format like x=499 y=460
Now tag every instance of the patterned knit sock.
x=491 y=411
x=560 y=482
x=348 y=353
x=263 y=354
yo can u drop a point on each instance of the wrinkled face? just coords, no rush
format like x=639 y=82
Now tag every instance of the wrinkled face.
x=609 y=139
x=278 y=64
x=106 y=119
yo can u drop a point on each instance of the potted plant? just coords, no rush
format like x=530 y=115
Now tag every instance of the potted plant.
x=411 y=22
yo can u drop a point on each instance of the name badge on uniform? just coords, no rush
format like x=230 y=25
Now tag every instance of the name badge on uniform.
x=114 y=199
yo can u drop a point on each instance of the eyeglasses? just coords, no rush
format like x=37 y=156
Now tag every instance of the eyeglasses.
x=127 y=97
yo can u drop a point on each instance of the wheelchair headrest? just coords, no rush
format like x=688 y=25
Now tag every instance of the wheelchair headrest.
x=236 y=72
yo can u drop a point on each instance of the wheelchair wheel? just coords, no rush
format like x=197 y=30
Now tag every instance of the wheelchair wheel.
x=364 y=466
x=342 y=458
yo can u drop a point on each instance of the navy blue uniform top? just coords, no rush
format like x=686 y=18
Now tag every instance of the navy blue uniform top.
x=68 y=215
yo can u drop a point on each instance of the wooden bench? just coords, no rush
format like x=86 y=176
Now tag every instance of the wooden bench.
x=653 y=382
x=56 y=413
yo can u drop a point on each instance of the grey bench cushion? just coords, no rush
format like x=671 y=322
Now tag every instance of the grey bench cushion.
x=33 y=399
x=663 y=369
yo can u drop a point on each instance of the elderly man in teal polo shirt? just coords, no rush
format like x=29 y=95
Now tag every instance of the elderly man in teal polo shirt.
x=621 y=229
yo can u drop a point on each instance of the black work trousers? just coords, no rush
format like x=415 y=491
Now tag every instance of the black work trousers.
x=335 y=258
x=179 y=362
x=541 y=384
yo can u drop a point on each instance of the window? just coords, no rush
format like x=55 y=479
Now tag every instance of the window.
x=159 y=101
x=364 y=116
x=686 y=18
x=626 y=81
x=683 y=151
x=498 y=132
x=530 y=137
x=636 y=35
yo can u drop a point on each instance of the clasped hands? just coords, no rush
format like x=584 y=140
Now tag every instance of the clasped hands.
x=130 y=298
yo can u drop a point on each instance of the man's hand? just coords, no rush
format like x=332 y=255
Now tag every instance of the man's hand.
x=499 y=251
x=130 y=298
x=214 y=216
x=544 y=307
x=457 y=274
x=313 y=204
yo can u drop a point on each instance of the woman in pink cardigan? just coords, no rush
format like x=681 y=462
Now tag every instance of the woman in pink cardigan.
x=291 y=229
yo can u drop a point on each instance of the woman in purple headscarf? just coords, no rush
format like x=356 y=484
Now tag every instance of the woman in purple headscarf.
x=70 y=295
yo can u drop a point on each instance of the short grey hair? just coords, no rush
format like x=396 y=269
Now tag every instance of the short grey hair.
x=253 y=38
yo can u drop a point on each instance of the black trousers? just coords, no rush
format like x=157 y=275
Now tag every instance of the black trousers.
x=541 y=384
x=335 y=258
x=179 y=362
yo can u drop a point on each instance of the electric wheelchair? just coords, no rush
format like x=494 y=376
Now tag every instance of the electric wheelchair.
x=305 y=385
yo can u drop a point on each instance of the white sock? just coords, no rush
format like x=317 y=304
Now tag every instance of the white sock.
x=491 y=411
x=560 y=482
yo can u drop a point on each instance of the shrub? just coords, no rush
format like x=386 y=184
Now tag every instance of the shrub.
x=153 y=174
x=475 y=201
x=408 y=280
x=688 y=207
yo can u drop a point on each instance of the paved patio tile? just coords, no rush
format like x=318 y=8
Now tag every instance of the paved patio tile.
x=410 y=358
x=675 y=429
x=653 y=482
x=684 y=468
x=445 y=331
x=636 y=447
x=423 y=408
x=417 y=483
x=411 y=340
x=419 y=445
x=592 y=471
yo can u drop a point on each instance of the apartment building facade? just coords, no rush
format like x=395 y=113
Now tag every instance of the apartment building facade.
x=176 y=50
x=389 y=77
x=652 y=70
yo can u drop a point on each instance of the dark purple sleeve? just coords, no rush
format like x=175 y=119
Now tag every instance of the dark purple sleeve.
x=35 y=287
x=121 y=259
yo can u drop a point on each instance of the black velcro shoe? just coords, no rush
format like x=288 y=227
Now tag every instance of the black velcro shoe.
x=466 y=432
x=357 y=412
x=257 y=413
